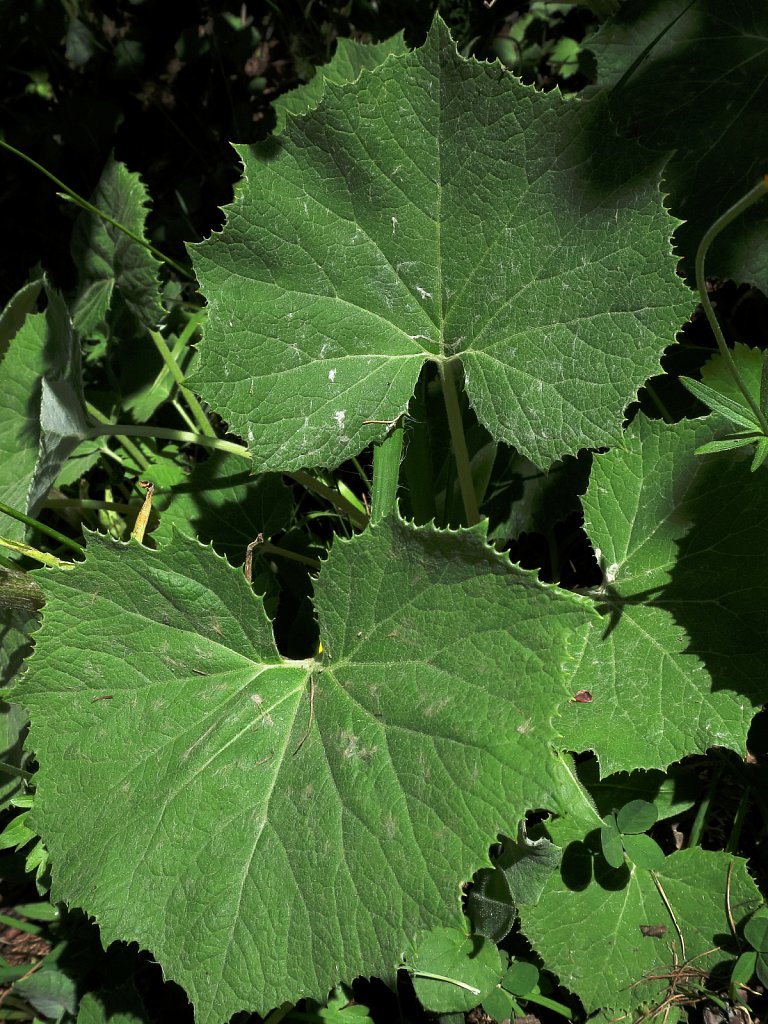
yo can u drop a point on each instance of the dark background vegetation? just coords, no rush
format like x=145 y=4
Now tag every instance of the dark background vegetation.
x=166 y=85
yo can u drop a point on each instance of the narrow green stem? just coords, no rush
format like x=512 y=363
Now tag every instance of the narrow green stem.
x=550 y=1004
x=337 y=500
x=92 y=504
x=85 y=205
x=22 y=926
x=279 y=1013
x=450 y=981
x=176 y=372
x=265 y=548
x=185 y=436
x=47 y=530
x=39 y=556
x=386 y=473
x=654 y=397
x=738 y=822
x=126 y=443
x=700 y=821
x=184 y=415
x=712 y=232
x=459 y=441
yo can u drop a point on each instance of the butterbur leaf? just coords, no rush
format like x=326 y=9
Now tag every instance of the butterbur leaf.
x=636 y=816
x=222 y=502
x=22 y=344
x=214 y=753
x=490 y=906
x=347 y=63
x=63 y=422
x=371 y=235
x=472 y=963
x=685 y=635
x=527 y=864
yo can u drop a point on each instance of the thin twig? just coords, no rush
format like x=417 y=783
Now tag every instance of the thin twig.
x=311 y=714
x=248 y=567
x=728 y=912
x=668 y=905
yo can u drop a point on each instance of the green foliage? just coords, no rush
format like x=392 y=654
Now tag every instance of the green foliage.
x=389 y=256
x=277 y=794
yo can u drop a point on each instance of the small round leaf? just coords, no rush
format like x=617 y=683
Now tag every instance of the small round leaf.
x=756 y=930
x=468 y=969
x=644 y=852
x=613 y=851
x=636 y=816
x=521 y=978
x=742 y=972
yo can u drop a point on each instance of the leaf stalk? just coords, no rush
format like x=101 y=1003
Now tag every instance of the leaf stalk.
x=459 y=441
x=739 y=207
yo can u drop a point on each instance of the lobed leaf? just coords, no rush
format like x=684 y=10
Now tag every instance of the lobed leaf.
x=436 y=209
x=677 y=667
x=249 y=817
x=614 y=964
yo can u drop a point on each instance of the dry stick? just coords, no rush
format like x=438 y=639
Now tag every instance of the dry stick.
x=729 y=914
x=248 y=567
x=140 y=526
x=668 y=905
x=311 y=714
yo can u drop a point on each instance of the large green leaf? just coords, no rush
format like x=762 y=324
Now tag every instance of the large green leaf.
x=268 y=827
x=695 y=84
x=348 y=61
x=680 y=664
x=606 y=966
x=435 y=209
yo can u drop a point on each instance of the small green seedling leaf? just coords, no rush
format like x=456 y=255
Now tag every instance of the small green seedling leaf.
x=718 y=402
x=453 y=971
x=756 y=930
x=501 y=1005
x=636 y=816
x=643 y=851
x=521 y=978
x=610 y=840
x=742 y=973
